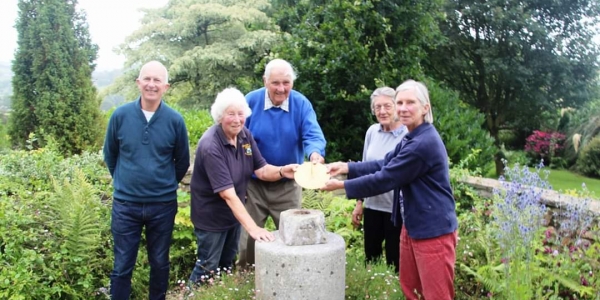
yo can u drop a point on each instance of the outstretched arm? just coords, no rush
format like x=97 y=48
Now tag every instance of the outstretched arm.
x=241 y=214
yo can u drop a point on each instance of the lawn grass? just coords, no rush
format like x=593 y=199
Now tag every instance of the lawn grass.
x=563 y=180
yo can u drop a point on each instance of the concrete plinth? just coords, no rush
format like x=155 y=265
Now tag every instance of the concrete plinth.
x=316 y=272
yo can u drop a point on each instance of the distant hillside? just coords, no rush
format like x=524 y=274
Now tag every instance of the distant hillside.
x=5 y=84
x=105 y=78
x=100 y=78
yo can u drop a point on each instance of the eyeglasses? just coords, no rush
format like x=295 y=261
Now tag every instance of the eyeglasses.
x=386 y=106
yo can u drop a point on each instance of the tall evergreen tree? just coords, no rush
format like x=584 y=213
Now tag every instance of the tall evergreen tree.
x=53 y=94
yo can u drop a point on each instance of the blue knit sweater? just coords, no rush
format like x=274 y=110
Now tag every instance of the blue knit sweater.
x=146 y=159
x=285 y=137
x=419 y=167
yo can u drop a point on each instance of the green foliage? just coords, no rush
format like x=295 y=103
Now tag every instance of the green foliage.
x=460 y=127
x=496 y=260
x=183 y=244
x=197 y=122
x=519 y=157
x=584 y=122
x=510 y=140
x=53 y=237
x=75 y=218
x=343 y=50
x=55 y=241
x=53 y=92
x=589 y=159
x=4 y=141
x=374 y=281
x=207 y=45
x=338 y=215
x=515 y=62
x=465 y=196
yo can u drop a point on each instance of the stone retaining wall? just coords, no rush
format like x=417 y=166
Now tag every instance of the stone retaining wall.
x=552 y=199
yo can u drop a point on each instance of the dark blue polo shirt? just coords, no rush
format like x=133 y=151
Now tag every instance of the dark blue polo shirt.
x=219 y=166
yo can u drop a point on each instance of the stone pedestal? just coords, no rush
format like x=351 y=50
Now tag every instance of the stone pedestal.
x=304 y=262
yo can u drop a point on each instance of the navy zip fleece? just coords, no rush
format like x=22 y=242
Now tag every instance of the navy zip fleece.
x=419 y=167
x=147 y=160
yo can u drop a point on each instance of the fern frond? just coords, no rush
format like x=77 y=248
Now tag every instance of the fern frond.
x=488 y=275
x=573 y=285
x=73 y=215
x=315 y=199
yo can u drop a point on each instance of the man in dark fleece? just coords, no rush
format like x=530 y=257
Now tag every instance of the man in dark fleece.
x=147 y=153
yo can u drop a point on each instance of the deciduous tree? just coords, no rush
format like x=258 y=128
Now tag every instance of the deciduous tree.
x=207 y=45
x=343 y=50
x=514 y=59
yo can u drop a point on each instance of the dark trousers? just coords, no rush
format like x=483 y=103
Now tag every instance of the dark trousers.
x=378 y=227
x=128 y=220
x=216 y=250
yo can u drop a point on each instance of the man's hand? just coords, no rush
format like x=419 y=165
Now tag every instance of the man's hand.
x=357 y=214
x=316 y=158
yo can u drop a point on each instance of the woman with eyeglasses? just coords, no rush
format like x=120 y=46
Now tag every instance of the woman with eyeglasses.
x=376 y=211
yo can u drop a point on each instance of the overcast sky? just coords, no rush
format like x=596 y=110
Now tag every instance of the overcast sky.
x=110 y=21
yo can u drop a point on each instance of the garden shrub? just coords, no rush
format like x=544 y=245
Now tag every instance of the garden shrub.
x=584 y=121
x=507 y=252
x=197 y=122
x=546 y=146
x=53 y=238
x=516 y=157
x=588 y=162
x=460 y=127
x=508 y=139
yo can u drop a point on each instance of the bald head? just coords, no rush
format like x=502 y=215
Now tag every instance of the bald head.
x=157 y=67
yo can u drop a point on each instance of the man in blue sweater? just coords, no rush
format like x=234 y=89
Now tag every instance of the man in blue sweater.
x=284 y=125
x=147 y=153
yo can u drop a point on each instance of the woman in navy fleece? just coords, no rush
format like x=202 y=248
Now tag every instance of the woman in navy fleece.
x=418 y=167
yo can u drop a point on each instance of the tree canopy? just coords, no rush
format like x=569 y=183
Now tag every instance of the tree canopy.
x=343 y=50
x=53 y=94
x=513 y=60
x=207 y=45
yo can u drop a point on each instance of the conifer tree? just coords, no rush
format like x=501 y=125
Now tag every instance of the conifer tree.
x=53 y=94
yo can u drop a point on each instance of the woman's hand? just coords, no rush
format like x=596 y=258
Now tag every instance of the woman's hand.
x=357 y=214
x=337 y=168
x=332 y=185
x=288 y=171
x=261 y=235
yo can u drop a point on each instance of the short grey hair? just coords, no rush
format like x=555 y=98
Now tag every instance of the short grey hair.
x=382 y=91
x=422 y=95
x=278 y=62
x=226 y=98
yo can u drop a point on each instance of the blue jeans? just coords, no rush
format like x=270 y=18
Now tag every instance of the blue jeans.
x=128 y=220
x=215 y=250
